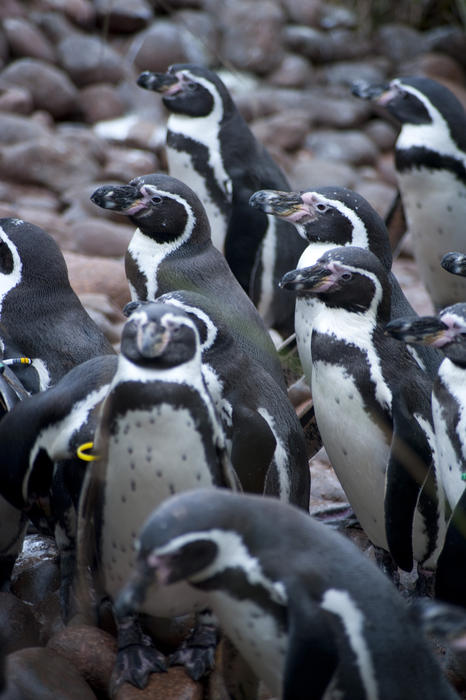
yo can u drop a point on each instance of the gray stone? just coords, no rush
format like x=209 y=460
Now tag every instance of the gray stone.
x=25 y=39
x=337 y=16
x=18 y=129
x=293 y=72
x=77 y=202
x=12 y=8
x=382 y=133
x=398 y=42
x=39 y=673
x=346 y=72
x=98 y=237
x=127 y=163
x=54 y=25
x=123 y=16
x=50 y=87
x=98 y=275
x=304 y=11
x=91 y=145
x=324 y=46
x=80 y=12
x=310 y=172
x=337 y=110
x=18 y=624
x=380 y=195
x=350 y=146
x=157 y=47
x=88 y=60
x=200 y=36
x=287 y=129
x=435 y=65
x=17 y=100
x=252 y=35
x=449 y=39
x=100 y=101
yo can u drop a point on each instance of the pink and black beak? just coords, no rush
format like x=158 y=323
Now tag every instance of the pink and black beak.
x=454 y=263
x=295 y=207
x=124 y=199
x=316 y=279
x=424 y=330
x=166 y=83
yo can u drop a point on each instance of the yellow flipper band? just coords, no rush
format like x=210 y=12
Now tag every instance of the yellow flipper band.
x=81 y=452
x=17 y=361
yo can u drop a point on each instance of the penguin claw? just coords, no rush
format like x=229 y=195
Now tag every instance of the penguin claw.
x=197 y=653
x=134 y=665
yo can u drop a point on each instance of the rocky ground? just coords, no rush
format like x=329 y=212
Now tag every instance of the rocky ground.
x=72 y=118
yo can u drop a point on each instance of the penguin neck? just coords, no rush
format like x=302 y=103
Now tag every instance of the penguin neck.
x=435 y=137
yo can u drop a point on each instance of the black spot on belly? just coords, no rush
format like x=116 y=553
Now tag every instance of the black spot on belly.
x=130 y=450
x=449 y=207
x=159 y=473
x=198 y=476
x=184 y=457
x=337 y=400
x=450 y=468
x=345 y=452
x=171 y=488
x=123 y=498
x=133 y=485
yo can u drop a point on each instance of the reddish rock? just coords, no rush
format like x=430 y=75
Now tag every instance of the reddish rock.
x=100 y=101
x=382 y=133
x=123 y=16
x=158 y=46
x=437 y=66
x=98 y=237
x=91 y=274
x=285 y=130
x=17 y=100
x=39 y=673
x=18 y=129
x=126 y=163
x=17 y=623
x=304 y=11
x=26 y=39
x=173 y=685
x=293 y=72
x=50 y=87
x=91 y=650
x=88 y=60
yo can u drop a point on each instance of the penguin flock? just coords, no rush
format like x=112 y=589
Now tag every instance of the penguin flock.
x=174 y=472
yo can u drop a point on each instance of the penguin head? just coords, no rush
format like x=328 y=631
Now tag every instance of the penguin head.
x=347 y=277
x=454 y=263
x=160 y=336
x=193 y=536
x=162 y=207
x=446 y=331
x=333 y=215
x=189 y=89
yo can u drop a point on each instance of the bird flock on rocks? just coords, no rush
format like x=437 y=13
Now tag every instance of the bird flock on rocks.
x=174 y=473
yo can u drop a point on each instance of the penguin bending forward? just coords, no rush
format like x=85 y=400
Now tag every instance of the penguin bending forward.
x=312 y=615
x=430 y=159
x=211 y=148
x=372 y=405
x=158 y=434
x=329 y=217
x=172 y=250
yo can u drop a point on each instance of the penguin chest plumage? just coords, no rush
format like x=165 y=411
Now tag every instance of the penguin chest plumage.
x=435 y=207
x=449 y=413
x=152 y=454
x=256 y=634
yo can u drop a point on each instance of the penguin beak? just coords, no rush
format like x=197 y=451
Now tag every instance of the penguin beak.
x=124 y=199
x=368 y=91
x=131 y=597
x=286 y=205
x=454 y=263
x=152 y=339
x=427 y=330
x=312 y=280
x=165 y=83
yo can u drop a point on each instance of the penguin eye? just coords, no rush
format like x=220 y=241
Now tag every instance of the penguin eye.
x=192 y=86
x=156 y=199
x=346 y=276
x=322 y=207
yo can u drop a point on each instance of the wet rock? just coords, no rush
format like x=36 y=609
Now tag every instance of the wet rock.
x=349 y=146
x=88 y=60
x=48 y=612
x=304 y=11
x=126 y=163
x=92 y=274
x=308 y=172
x=100 y=101
x=285 y=130
x=398 y=42
x=17 y=100
x=18 y=624
x=39 y=673
x=252 y=35
x=157 y=47
x=53 y=162
x=25 y=39
x=173 y=685
x=91 y=650
x=50 y=87
x=98 y=237
x=36 y=571
x=122 y=16
x=293 y=72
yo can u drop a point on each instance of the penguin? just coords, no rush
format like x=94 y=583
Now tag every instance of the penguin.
x=454 y=263
x=210 y=147
x=313 y=616
x=158 y=434
x=327 y=217
x=372 y=406
x=41 y=317
x=447 y=331
x=265 y=440
x=430 y=160
x=40 y=472
x=172 y=249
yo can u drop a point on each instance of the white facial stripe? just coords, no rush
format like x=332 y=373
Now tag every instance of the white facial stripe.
x=435 y=136
x=56 y=438
x=148 y=254
x=9 y=281
x=268 y=256
x=211 y=329
x=452 y=320
x=43 y=373
x=340 y=603
x=360 y=234
x=280 y=456
x=231 y=553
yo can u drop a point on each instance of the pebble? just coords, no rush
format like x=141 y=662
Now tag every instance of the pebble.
x=19 y=626
x=350 y=146
x=173 y=685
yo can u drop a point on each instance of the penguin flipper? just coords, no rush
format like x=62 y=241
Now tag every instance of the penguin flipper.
x=252 y=449
x=409 y=464
x=312 y=658
x=451 y=565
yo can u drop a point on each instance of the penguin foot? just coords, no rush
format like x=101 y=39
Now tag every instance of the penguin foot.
x=135 y=663
x=197 y=653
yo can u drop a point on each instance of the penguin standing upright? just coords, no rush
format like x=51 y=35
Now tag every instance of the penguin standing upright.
x=447 y=331
x=172 y=250
x=41 y=473
x=40 y=315
x=158 y=434
x=211 y=148
x=311 y=614
x=372 y=405
x=430 y=159
x=327 y=217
